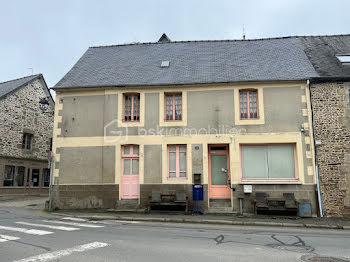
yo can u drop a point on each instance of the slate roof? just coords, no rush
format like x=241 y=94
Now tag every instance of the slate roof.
x=13 y=85
x=191 y=62
x=321 y=51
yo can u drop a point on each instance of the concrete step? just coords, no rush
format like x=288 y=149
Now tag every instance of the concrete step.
x=127 y=204
x=219 y=203
x=220 y=211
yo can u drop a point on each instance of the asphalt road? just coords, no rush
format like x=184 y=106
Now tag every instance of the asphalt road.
x=30 y=235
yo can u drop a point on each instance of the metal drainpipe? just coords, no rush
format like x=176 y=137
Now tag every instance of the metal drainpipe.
x=319 y=194
x=52 y=164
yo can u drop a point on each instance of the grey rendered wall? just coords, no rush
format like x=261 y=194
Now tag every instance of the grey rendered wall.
x=84 y=116
x=153 y=164
x=210 y=109
x=87 y=165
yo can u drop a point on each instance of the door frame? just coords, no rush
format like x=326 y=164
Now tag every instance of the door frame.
x=210 y=186
x=131 y=157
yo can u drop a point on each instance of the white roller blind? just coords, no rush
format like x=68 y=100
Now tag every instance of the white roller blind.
x=268 y=161
x=254 y=162
x=281 y=161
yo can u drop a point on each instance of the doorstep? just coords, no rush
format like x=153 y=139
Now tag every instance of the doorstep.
x=220 y=211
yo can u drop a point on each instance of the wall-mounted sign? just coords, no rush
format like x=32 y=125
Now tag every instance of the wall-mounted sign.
x=196 y=147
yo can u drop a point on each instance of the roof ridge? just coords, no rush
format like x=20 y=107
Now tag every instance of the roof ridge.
x=191 y=41
x=36 y=75
x=217 y=40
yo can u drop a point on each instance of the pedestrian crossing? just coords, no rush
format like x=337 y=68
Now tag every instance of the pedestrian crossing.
x=44 y=227
x=5 y=238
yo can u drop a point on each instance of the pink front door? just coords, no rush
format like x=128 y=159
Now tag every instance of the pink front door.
x=219 y=172
x=130 y=172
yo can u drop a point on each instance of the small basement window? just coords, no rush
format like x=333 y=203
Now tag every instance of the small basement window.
x=344 y=59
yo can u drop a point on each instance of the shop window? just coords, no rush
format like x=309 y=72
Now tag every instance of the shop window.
x=27 y=141
x=177 y=163
x=35 y=177
x=19 y=176
x=268 y=162
x=46 y=173
x=132 y=107
x=9 y=175
x=173 y=110
x=248 y=100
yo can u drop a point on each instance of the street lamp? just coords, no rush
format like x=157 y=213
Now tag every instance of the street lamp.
x=44 y=107
x=44 y=104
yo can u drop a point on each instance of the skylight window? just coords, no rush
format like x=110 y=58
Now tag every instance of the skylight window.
x=165 y=64
x=344 y=59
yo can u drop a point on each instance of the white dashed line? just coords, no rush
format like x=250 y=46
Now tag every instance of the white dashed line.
x=72 y=223
x=5 y=238
x=50 y=226
x=62 y=253
x=27 y=231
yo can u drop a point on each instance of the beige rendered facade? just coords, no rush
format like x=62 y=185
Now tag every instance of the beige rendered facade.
x=90 y=134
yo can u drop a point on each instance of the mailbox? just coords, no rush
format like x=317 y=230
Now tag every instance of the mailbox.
x=197 y=192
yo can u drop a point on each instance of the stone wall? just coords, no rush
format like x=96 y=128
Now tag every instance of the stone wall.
x=331 y=110
x=19 y=113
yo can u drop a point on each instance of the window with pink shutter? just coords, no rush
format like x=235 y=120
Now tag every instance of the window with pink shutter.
x=177 y=162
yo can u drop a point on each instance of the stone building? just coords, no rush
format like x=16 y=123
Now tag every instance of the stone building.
x=330 y=56
x=234 y=116
x=25 y=136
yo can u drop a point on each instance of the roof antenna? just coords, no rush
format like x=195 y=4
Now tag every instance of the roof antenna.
x=31 y=68
x=243 y=32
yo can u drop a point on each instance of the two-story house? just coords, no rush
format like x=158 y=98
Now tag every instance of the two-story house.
x=163 y=115
x=330 y=92
x=25 y=136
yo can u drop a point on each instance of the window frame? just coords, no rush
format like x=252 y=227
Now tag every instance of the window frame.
x=173 y=94
x=177 y=162
x=248 y=91
x=13 y=176
x=131 y=156
x=25 y=143
x=133 y=95
x=296 y=171
x=46 y=171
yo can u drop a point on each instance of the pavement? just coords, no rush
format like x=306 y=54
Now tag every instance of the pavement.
x=180 y=217
x=38 y=202
x=27 y=233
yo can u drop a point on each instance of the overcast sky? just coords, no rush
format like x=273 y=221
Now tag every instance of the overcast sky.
x=50 y=36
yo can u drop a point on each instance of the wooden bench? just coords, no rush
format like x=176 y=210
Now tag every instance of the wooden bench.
x=159 y=199
x=263 y=204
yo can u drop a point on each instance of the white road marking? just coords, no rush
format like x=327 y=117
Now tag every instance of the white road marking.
x=27 y=231
x=71 y=223
x=5 y=238
x=75 y=219
x=62 y=253
x=126 y=221
x=49 y=226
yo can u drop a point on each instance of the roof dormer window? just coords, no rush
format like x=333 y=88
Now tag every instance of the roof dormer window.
x=344 y=59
